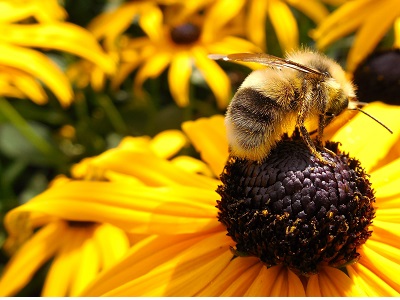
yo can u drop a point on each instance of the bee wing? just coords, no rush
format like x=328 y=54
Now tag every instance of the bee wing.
x=265 y=59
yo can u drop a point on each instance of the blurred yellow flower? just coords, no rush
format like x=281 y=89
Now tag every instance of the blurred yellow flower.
x=371 y=20
x=23 y=68
x=181 y=43
x=282 y=19
x=83 y=236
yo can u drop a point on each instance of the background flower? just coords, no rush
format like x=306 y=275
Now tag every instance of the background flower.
x=371 y=20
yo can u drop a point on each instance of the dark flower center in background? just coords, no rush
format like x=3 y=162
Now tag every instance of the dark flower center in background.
x=81 y=224
x=185 y=34
x=293 y=210
x=378 y=77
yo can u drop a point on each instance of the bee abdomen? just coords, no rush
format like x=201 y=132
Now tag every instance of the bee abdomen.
x=251 y=108
x=252 y=116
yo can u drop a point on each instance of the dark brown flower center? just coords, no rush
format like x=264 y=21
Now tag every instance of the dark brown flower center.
x=81 y=224
x=292 y=210
x=185 y=34
x=378 y=77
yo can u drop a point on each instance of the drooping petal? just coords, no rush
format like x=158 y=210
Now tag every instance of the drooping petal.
x=65 y=264
x=354 y=12
x=313 y=9
x=215 y=77
x=232 y=44
x=284 y=24
x=168 y=143
x=36 y=251
x=42 y=11
x=88 y=267
x=208 y=135
x=111 y=243
x=40 y=67
x=25 y=83
x=179 y=74
x=193 y=165
x=218 y=16
x=396 y=26
x=61 y=36
x=255 y=26
x=371 y=32
x=152 y=68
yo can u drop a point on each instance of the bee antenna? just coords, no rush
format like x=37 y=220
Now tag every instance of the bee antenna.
x=376 y=120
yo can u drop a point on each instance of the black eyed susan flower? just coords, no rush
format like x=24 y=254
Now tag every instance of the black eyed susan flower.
x=371 y=20
x=77 y=233
x=180 y=44
x=352 y=228
x=19 y=38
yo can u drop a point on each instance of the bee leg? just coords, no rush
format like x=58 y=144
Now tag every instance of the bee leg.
x=311 y=146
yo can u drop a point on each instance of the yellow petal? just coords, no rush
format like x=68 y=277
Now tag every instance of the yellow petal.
x=384 y=176
x=147 y=168
x=230 y=277
x=372 y=145
x=242 y=282
x=59 y=36
x=215 y=77
x=274 y=282
x=152 y=68
x=29 y=86
x=217 y=16
x=39 y=66
x=43 y=11
x=192 y=165
x=143 y=209
x=348 y=11
x=88 y=267
x=142 y=258
x=284 y=24
x=369 y=282
x=232 y=44
x=151 y=21
x=331 y=282
x=33 y=254
x=64 y=265
x=197 y=265
x=313 y=9
x=112 y=244
x=256 y=22
x=396 y=26
x=208 y=135
x=179 y=77
x=168 y=143
x=371 y=32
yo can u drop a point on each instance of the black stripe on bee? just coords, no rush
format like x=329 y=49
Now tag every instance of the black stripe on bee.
x=251 y=105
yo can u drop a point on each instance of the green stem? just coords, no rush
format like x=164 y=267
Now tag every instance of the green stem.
x=12 y=115
x=113 y=114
